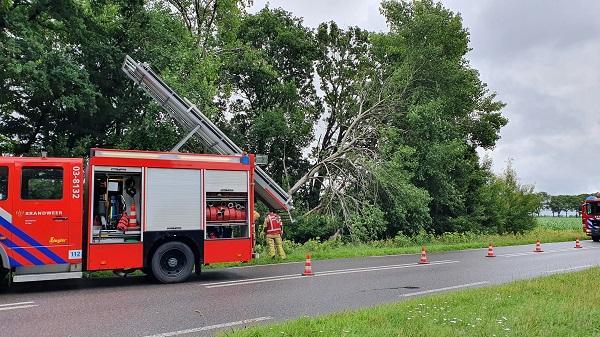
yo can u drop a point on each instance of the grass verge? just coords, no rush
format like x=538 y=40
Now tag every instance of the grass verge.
x=542 y=307
x=447 y=242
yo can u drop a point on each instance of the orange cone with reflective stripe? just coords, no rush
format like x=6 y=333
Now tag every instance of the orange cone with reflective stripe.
x=423 y=255
x=491 y=251
x=538 y=247
x=307 y=267
x=577 y=243
x=132 y=216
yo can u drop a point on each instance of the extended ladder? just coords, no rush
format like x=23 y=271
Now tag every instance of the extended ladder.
x=199 y=126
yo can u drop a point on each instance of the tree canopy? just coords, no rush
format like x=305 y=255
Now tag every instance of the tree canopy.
x=372 y=133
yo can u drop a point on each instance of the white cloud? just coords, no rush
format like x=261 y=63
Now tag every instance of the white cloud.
x=362 y=13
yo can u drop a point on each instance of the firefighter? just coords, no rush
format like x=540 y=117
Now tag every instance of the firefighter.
x=273 y=231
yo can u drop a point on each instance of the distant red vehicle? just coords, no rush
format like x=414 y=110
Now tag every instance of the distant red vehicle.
x=590 y=217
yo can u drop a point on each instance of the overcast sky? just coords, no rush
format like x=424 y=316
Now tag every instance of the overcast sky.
x=541 y=57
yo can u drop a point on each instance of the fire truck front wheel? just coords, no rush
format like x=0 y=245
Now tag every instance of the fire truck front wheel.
x=3 y=279
x=172 y=262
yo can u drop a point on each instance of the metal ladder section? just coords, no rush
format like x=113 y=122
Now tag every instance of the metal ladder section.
x=199 y=126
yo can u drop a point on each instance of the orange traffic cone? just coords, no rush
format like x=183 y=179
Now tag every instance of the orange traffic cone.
x=423 y=255
x=577 y=243
x=132 y=216
x=491 y=251
x=538 y=247
x=307 y=267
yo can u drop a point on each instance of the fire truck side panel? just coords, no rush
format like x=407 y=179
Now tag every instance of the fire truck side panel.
x=231 y=181
x=111 y=256
x=229 y=250
x=173 y=199
x=45 y=229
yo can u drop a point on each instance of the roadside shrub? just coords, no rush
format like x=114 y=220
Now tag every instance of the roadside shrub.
x=311 y=246
x=332 y=243
x=312 y=226
x=453 y=237
x=401 y=240
x=506 y=206
x=367 y=226
x=289 y=245
x=423 y=238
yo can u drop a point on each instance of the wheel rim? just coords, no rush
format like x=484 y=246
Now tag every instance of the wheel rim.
x=172 y=262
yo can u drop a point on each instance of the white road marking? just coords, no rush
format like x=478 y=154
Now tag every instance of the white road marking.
x=264 y=265
x=376 y=256
x=324 y=273
x=18 y=305
x=419 y=254
x=443 y=289
x=568 y=269
x=573 y=250
x=11 y=304
x=212 y=327
x=250 y=279
x=336 y=271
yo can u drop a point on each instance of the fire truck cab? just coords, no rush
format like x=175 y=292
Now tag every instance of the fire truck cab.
x=163 y=212
x=590 y=217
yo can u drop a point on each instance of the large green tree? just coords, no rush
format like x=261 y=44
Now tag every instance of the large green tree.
x=62 y=89
x=448 y=112
x=271 y=95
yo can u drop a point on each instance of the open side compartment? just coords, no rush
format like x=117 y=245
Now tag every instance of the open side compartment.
x=116 y=211
x=227 y=201
x=115 y=220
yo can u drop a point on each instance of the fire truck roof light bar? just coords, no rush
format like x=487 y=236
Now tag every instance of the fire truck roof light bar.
x=191 y=118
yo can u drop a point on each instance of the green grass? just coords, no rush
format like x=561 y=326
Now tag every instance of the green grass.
x=542 y=307
x=560 y=223
x=549 y=229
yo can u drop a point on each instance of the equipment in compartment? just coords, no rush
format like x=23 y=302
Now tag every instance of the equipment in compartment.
x=114 y=215
x=226 y=212
x=226 y=215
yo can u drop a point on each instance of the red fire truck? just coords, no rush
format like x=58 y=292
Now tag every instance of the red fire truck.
x=59 y=217
x=590 y=217
x=166 y=213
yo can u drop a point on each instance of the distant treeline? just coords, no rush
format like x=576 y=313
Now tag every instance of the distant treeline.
x=562 y=204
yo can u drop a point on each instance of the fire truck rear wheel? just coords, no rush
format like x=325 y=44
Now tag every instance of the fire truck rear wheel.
x=172 y=262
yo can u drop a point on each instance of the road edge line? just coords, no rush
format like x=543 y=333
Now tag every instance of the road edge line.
x=466 y=285
x=211 y=327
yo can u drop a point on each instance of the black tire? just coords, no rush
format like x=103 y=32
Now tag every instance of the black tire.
x=596 y=238
x=4 y=282
x=172 y=262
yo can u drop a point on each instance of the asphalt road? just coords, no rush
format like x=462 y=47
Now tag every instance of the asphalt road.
x=237 y=297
